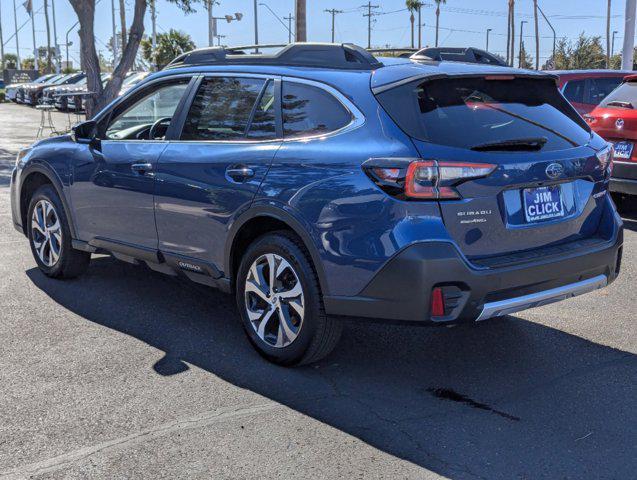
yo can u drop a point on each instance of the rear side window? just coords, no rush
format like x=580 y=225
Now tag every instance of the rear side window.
x=473 y=112
x=309 y=110
x=624 y=96
x=222 y=108
x=263 y=124
x=574 y=91
x=600 y=88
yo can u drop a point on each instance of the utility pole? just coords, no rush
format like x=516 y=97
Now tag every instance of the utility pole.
x=419 y=26
x=153 y=38
x=488 y=31
x=1 y=41
x=56 y=45
x=521 y=43
x=115 y=39
x=35 y=47
x=537 y=37
x=17 y=42
x=333 y=12
x=608 y=34
x=256 y=26
x=289 y=18
x=612 y=44
x=629 y=35
x=300 y=18
x=369 y=15
x=512 y=32
x=211 y=38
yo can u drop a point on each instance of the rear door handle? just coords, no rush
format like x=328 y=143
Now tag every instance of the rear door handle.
x=239 y=173
x=142 y=168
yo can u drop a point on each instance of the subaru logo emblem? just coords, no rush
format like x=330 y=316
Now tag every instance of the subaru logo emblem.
x=554 y=170
x=619 y=123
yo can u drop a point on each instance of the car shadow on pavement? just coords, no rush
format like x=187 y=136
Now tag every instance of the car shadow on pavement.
x=505 y=399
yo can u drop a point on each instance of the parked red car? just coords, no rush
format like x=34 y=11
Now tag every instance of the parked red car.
x=615 y=120
x=584 y=89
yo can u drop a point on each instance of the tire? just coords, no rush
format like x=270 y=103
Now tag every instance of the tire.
x=53 y=252
x=309 y=334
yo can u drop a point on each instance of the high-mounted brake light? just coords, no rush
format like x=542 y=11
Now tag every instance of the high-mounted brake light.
x=424 y=179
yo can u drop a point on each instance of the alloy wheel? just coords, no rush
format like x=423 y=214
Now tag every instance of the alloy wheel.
x=46 y=233
x=274 y=300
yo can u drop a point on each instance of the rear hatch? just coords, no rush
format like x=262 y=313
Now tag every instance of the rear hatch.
x=544 y=184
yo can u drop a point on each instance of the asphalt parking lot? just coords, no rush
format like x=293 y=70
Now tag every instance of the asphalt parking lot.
x=125 y=373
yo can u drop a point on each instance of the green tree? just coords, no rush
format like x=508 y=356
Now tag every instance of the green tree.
x=169 y=45
x=104 y=94
x=28 y=63
x=524 y=58
x=585 y=52
x=11 y=60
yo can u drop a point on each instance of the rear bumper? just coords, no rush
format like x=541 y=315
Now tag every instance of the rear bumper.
x=624 y=179
x=401 y=290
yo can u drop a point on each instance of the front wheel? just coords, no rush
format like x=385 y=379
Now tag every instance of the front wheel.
x=50 y=236
x=279 y=299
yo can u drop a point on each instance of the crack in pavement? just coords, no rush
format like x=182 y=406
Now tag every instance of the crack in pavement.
x=197 y=421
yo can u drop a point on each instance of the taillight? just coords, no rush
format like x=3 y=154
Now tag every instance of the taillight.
x=605 y=158
x=424 y=179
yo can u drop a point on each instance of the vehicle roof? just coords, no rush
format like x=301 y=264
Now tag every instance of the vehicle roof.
x=393 y=70
x=592 y=73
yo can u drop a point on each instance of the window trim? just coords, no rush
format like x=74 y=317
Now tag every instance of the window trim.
x=357 y=117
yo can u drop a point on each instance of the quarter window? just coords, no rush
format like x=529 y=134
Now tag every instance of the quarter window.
x=222 y=109
x=308 y=110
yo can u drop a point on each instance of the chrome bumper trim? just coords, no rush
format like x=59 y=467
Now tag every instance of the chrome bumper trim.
x=512 y=305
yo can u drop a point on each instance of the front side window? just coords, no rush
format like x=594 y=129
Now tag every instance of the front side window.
x=222 y=109
x=148 y=117
x=309 y=110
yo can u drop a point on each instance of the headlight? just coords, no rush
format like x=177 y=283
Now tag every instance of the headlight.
x=605 y=157
x=21 y=154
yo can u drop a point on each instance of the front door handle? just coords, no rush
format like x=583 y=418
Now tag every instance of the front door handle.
x=141 y=168
x=239 y=173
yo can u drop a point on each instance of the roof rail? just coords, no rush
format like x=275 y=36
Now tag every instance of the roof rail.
x=458 y=54
x=346 y=56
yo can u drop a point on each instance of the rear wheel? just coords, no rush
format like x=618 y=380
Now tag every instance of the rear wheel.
x=279 y=299
x=50 y=236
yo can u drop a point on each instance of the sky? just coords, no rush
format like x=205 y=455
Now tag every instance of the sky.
x=462 y=23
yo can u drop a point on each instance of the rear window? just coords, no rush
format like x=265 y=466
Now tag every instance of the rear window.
x=601 y=87
x=468 y=112
x=624 y=96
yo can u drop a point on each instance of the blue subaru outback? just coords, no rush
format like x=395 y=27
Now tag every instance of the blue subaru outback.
x=322 y=182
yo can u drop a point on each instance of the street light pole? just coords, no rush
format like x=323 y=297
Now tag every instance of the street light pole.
x=612 y=45
x=256 y=26
x=35 y=47
x=552 y=29
x=521 y=43
x=58 y=57
x=1 y=41
x=488 y=31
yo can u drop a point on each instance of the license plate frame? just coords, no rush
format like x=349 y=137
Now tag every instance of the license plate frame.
x=623 y=150
x=542 y=204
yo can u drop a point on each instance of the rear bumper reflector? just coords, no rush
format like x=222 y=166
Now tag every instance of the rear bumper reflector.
x=517 y=304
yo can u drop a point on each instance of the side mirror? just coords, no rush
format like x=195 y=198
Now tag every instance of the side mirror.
x=85 y=132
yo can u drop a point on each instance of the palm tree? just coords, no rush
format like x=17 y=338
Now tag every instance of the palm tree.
x=438 y=2
x=412 y=6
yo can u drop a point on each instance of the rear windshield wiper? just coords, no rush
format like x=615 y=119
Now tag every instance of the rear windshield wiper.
x=619 y=103
x=514 y=145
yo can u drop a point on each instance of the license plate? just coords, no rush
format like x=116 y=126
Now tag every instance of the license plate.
x=543 y=203
x=623 y=150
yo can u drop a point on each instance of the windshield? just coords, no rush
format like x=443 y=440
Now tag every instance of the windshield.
x=624 y=96
x=473 y=112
